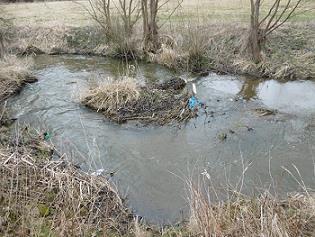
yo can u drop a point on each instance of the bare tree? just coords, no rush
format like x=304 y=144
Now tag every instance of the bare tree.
x=150 y=10
x=101 y=13
x=262 y=27
x=150 y=28
x=130 y=14
x=106 y=13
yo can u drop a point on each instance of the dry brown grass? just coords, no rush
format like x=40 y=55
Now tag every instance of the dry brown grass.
x=185 y=48
x=111 y=95
x=202 y=47
x=44 y=197
x=289 y=53
x=205 y=35
x=55 y=39
x=48 y=14
x=45 y=38
x=241 y=215
x=14 y=73
x=166 y=56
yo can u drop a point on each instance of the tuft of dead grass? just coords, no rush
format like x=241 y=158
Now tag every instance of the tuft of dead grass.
x=166 y=56
x=241 y=215
x=112 y=95
x=14 y=73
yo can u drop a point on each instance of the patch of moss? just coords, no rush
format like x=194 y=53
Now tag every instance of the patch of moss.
x=44 y=210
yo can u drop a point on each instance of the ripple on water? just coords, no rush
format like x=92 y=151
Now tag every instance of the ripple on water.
x=150 y=161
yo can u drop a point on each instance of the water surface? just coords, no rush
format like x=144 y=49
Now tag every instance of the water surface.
x=150 y=162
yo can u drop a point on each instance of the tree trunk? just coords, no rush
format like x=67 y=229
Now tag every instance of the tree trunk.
x=1 y=46
x=151 y=41
x=254 y=45
x=150 y=27
x=254 y=41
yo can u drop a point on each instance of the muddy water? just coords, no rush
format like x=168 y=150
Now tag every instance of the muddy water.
x=149 y=163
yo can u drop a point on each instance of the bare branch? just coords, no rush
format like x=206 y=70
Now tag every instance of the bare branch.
x=271 y=29
x=273 y=9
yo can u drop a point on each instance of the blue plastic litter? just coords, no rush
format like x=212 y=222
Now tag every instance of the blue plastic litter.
x=47 y=136
x=193 y=102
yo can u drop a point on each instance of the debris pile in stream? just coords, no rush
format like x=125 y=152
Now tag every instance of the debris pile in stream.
x=124 y=100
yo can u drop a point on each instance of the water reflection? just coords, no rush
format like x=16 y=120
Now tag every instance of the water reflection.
x=149 y=160
x=225 y=84
x=291 y=97
x=249 y=88
x=294 y=97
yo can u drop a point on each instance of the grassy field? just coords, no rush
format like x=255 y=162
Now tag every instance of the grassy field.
x=73 y=13
x=48 y=13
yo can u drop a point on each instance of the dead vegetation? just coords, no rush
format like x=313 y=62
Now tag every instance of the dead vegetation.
x=124 y=100
x=112 y=95
x=55 y=39
x=241 y=215
x=285 y=58
x=194 y=46
x=44 y=197
x=14 y=73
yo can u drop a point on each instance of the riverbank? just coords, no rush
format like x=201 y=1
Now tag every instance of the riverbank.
x=51 y=197
x=240 y=215
x=212 y=40
x=14 y=74
x=199 y=37
x=188 y=43
x=41 y=196
x=289 y=53
x=44 y=196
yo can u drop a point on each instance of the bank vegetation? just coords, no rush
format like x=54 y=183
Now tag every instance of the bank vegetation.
x=43 y=196
x=272 y=42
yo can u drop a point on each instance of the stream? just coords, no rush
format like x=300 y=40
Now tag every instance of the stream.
x=150 y=163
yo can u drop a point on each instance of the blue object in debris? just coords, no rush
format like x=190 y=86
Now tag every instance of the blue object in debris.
x=47 y=136
x=193 y=102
